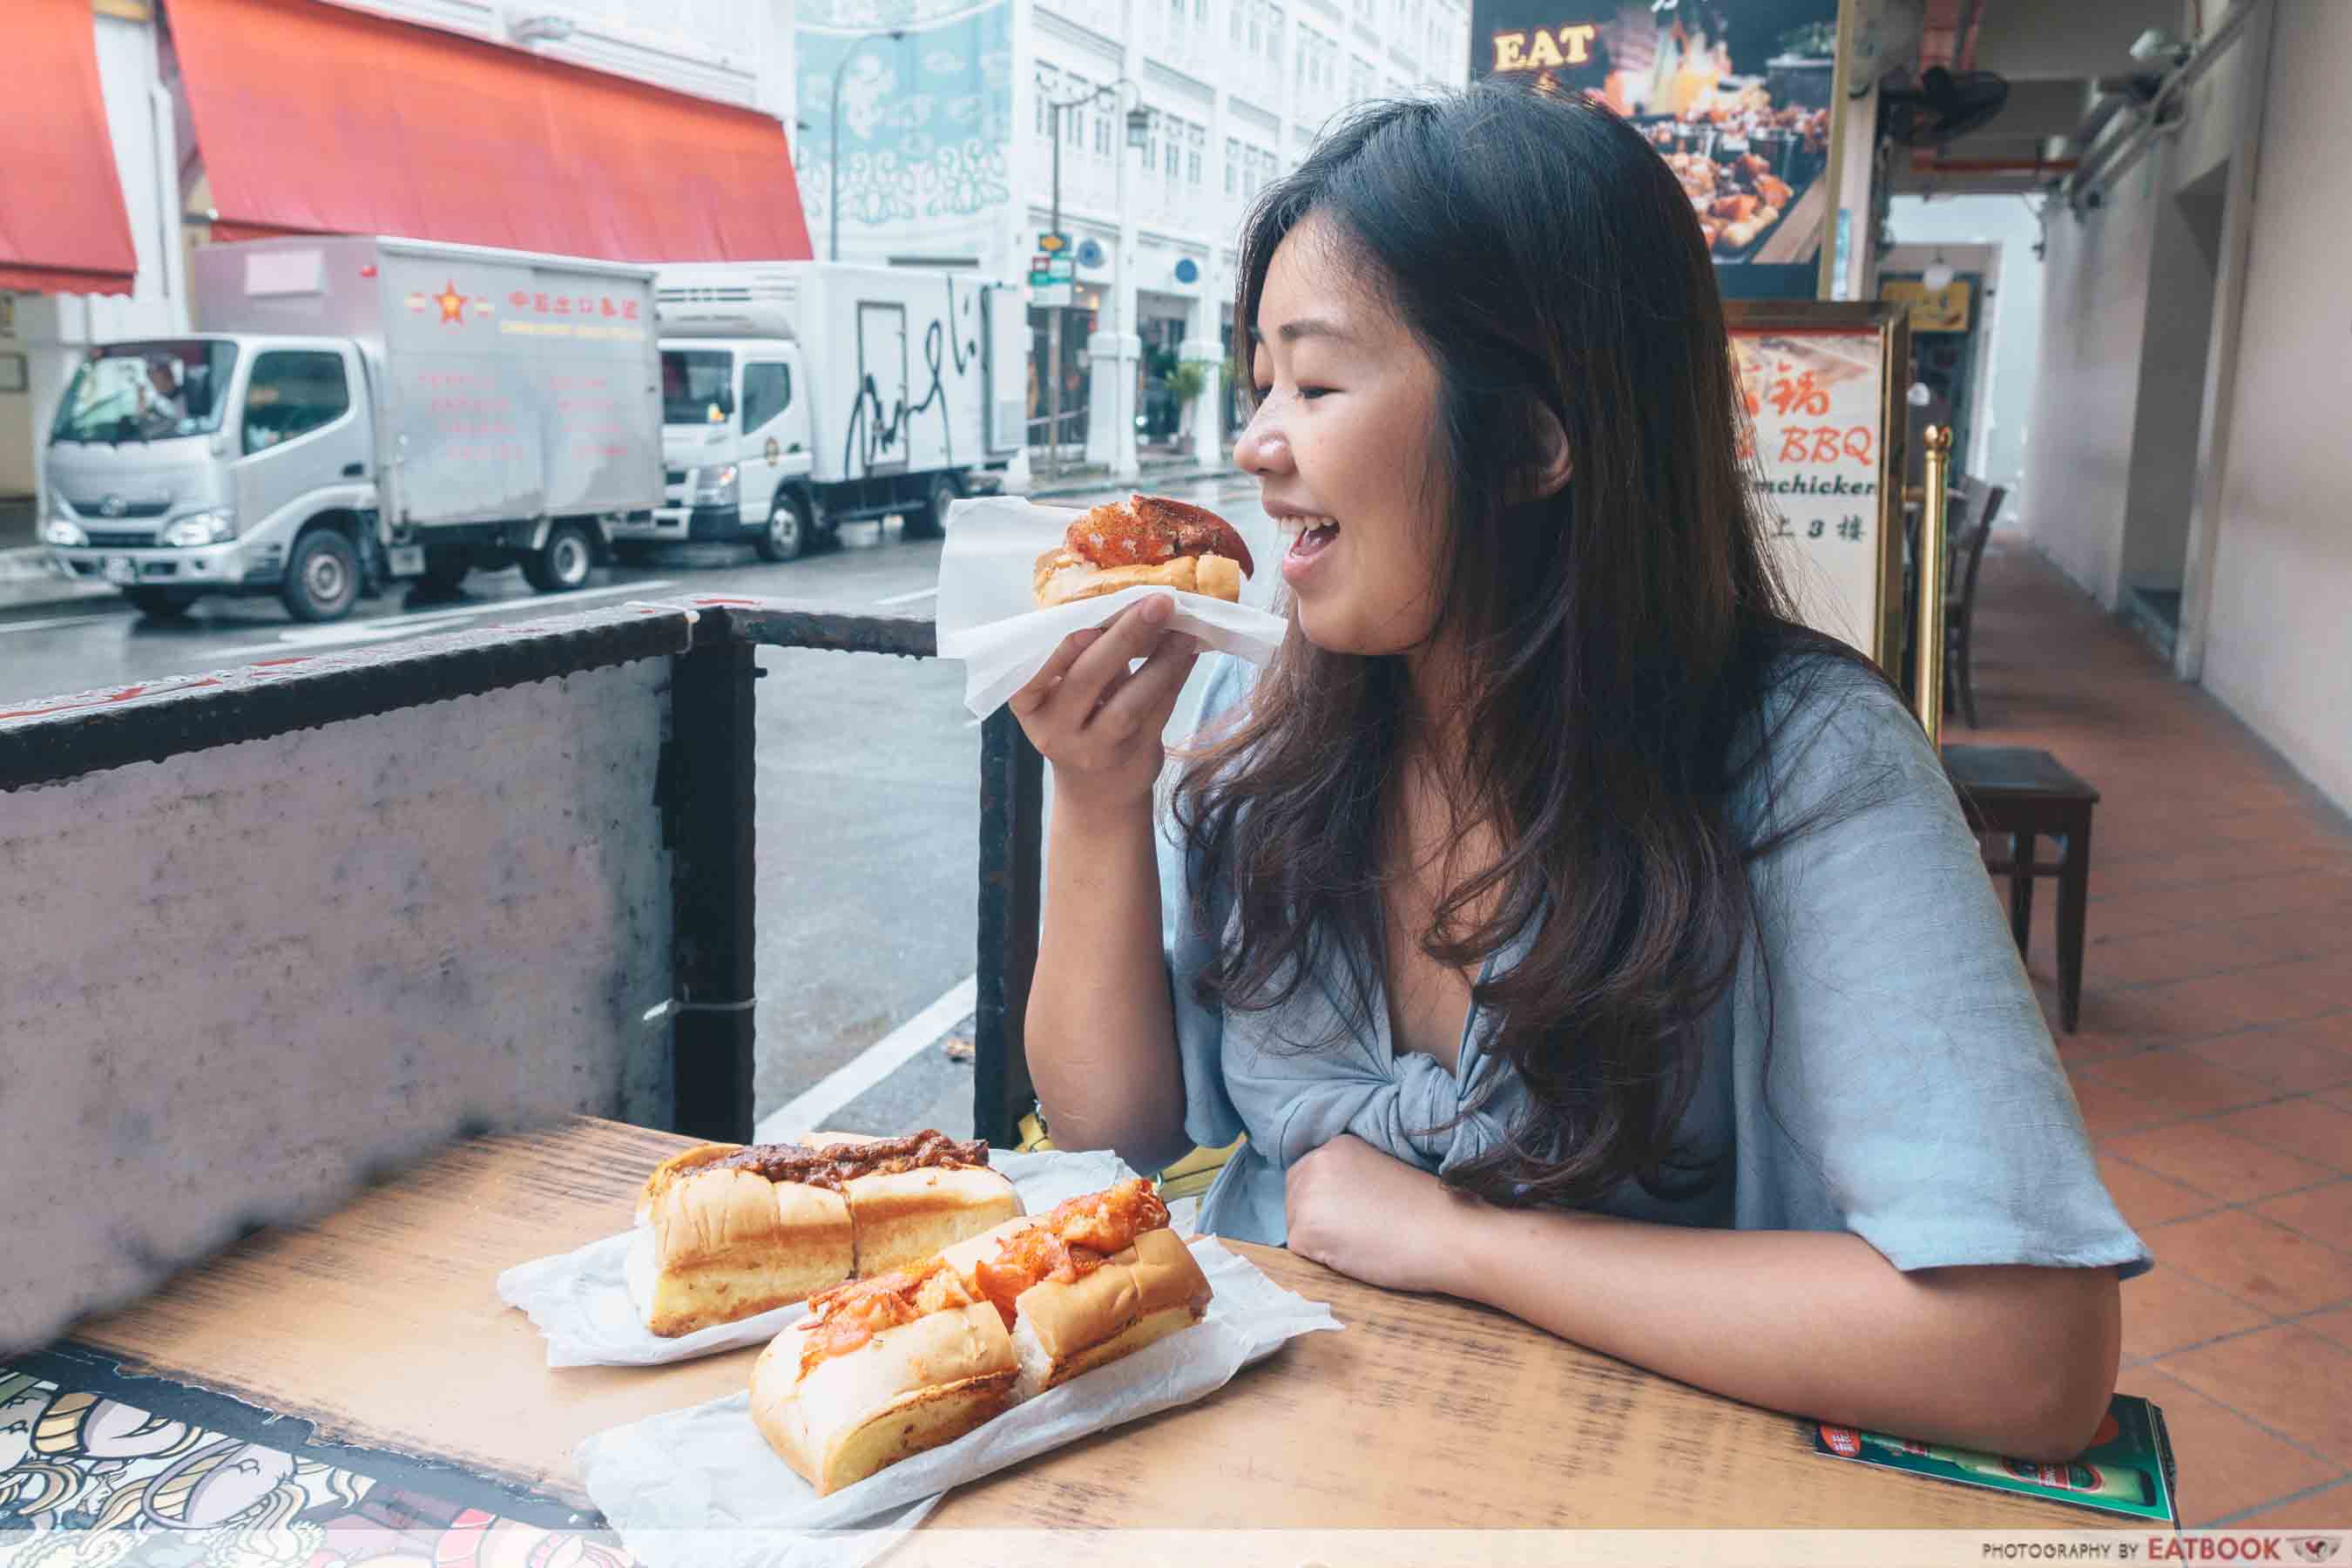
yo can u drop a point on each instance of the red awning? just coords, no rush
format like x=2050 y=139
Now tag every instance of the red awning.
x=313 y=118
x=63 y=227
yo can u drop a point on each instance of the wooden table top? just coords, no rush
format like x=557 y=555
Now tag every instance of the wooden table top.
x=381 y=1325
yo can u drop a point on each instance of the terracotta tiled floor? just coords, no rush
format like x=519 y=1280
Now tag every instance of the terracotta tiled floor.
x=2214 y=1062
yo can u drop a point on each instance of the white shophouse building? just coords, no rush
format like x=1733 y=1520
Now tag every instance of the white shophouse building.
x=947 y=133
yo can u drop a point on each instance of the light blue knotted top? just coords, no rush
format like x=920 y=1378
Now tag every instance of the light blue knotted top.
x=1915 y=1098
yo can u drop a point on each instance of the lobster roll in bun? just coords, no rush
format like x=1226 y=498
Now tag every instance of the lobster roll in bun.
x=1096 y=1280
x=881 y=1370
x=1144 y=541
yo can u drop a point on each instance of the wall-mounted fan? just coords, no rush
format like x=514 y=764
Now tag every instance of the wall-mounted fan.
x=1944 y=105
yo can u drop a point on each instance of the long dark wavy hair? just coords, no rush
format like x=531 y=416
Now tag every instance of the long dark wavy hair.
x=1618 y=637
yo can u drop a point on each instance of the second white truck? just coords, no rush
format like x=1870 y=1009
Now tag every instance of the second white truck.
x=799 y=395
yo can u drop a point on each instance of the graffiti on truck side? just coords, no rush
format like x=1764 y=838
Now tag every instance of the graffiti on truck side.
x=875 y=433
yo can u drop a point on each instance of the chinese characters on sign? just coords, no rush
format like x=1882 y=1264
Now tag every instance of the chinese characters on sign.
x=476 y=419
x=541 y=304
x=1815 y=405
x=593 y=411
x=473 y=417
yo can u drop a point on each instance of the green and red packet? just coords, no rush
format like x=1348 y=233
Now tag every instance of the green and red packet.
x=2127 y=1469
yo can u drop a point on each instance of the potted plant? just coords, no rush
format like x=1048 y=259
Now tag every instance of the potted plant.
x=1185 y=383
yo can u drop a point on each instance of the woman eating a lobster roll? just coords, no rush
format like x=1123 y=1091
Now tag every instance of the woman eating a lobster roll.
x=1567 y=927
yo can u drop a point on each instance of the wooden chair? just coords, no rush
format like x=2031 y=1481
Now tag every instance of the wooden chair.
x=2026 y=795
x=1965 y=555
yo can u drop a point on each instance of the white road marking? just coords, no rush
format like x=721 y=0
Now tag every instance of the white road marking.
x=930 y=592
x=391 y=628
x=58 y=621
x=810 y=1110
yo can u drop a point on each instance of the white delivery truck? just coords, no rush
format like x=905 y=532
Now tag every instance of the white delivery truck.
x=353 y=410
x=798 y=395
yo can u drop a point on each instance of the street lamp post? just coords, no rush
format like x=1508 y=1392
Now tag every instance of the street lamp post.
x=1139 y=121
x=833 y=246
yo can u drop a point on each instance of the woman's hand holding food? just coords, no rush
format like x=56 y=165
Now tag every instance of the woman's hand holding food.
x=1098 y=724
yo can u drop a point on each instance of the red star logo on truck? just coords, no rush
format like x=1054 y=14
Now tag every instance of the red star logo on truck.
x=452 y=304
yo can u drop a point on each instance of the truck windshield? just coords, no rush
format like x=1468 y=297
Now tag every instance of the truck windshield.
x=147 y=392
x=697 y=386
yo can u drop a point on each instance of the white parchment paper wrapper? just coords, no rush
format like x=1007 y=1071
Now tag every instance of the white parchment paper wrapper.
x=581 y=1302
x=699 y=1486
x=987 y=607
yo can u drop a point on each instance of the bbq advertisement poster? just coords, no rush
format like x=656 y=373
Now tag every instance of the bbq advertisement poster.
x=1739 y=97
x=1816 y=398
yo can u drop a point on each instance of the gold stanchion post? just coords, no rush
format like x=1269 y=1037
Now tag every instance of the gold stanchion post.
x=1929 y=697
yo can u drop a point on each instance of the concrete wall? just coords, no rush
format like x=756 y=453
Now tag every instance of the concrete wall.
x=2078 y=466
x=2170 y=396
x=2278 y=631
x=2130 y=306
x=2190 y=396
x=243 y=980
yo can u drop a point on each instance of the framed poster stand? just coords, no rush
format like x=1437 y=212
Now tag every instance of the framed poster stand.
x=1823 y=383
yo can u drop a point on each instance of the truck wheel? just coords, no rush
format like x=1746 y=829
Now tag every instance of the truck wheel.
x=564 y=561
x=932 y=521
x=788 y=528
x=322 y=577
x=163 y=603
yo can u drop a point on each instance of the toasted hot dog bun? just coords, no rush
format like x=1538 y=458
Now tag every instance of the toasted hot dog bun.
x=900 y=1216
x=716 y=1243
x=732 y=1244
x=671 y=1170
x=905 y=1390
x=1063 y=578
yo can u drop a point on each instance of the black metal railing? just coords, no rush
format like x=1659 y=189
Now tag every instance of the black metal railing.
x=1012 y=819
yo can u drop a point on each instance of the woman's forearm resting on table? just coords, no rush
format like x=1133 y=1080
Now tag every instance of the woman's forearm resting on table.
x=2010 y=1360
x=1101 y=1038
